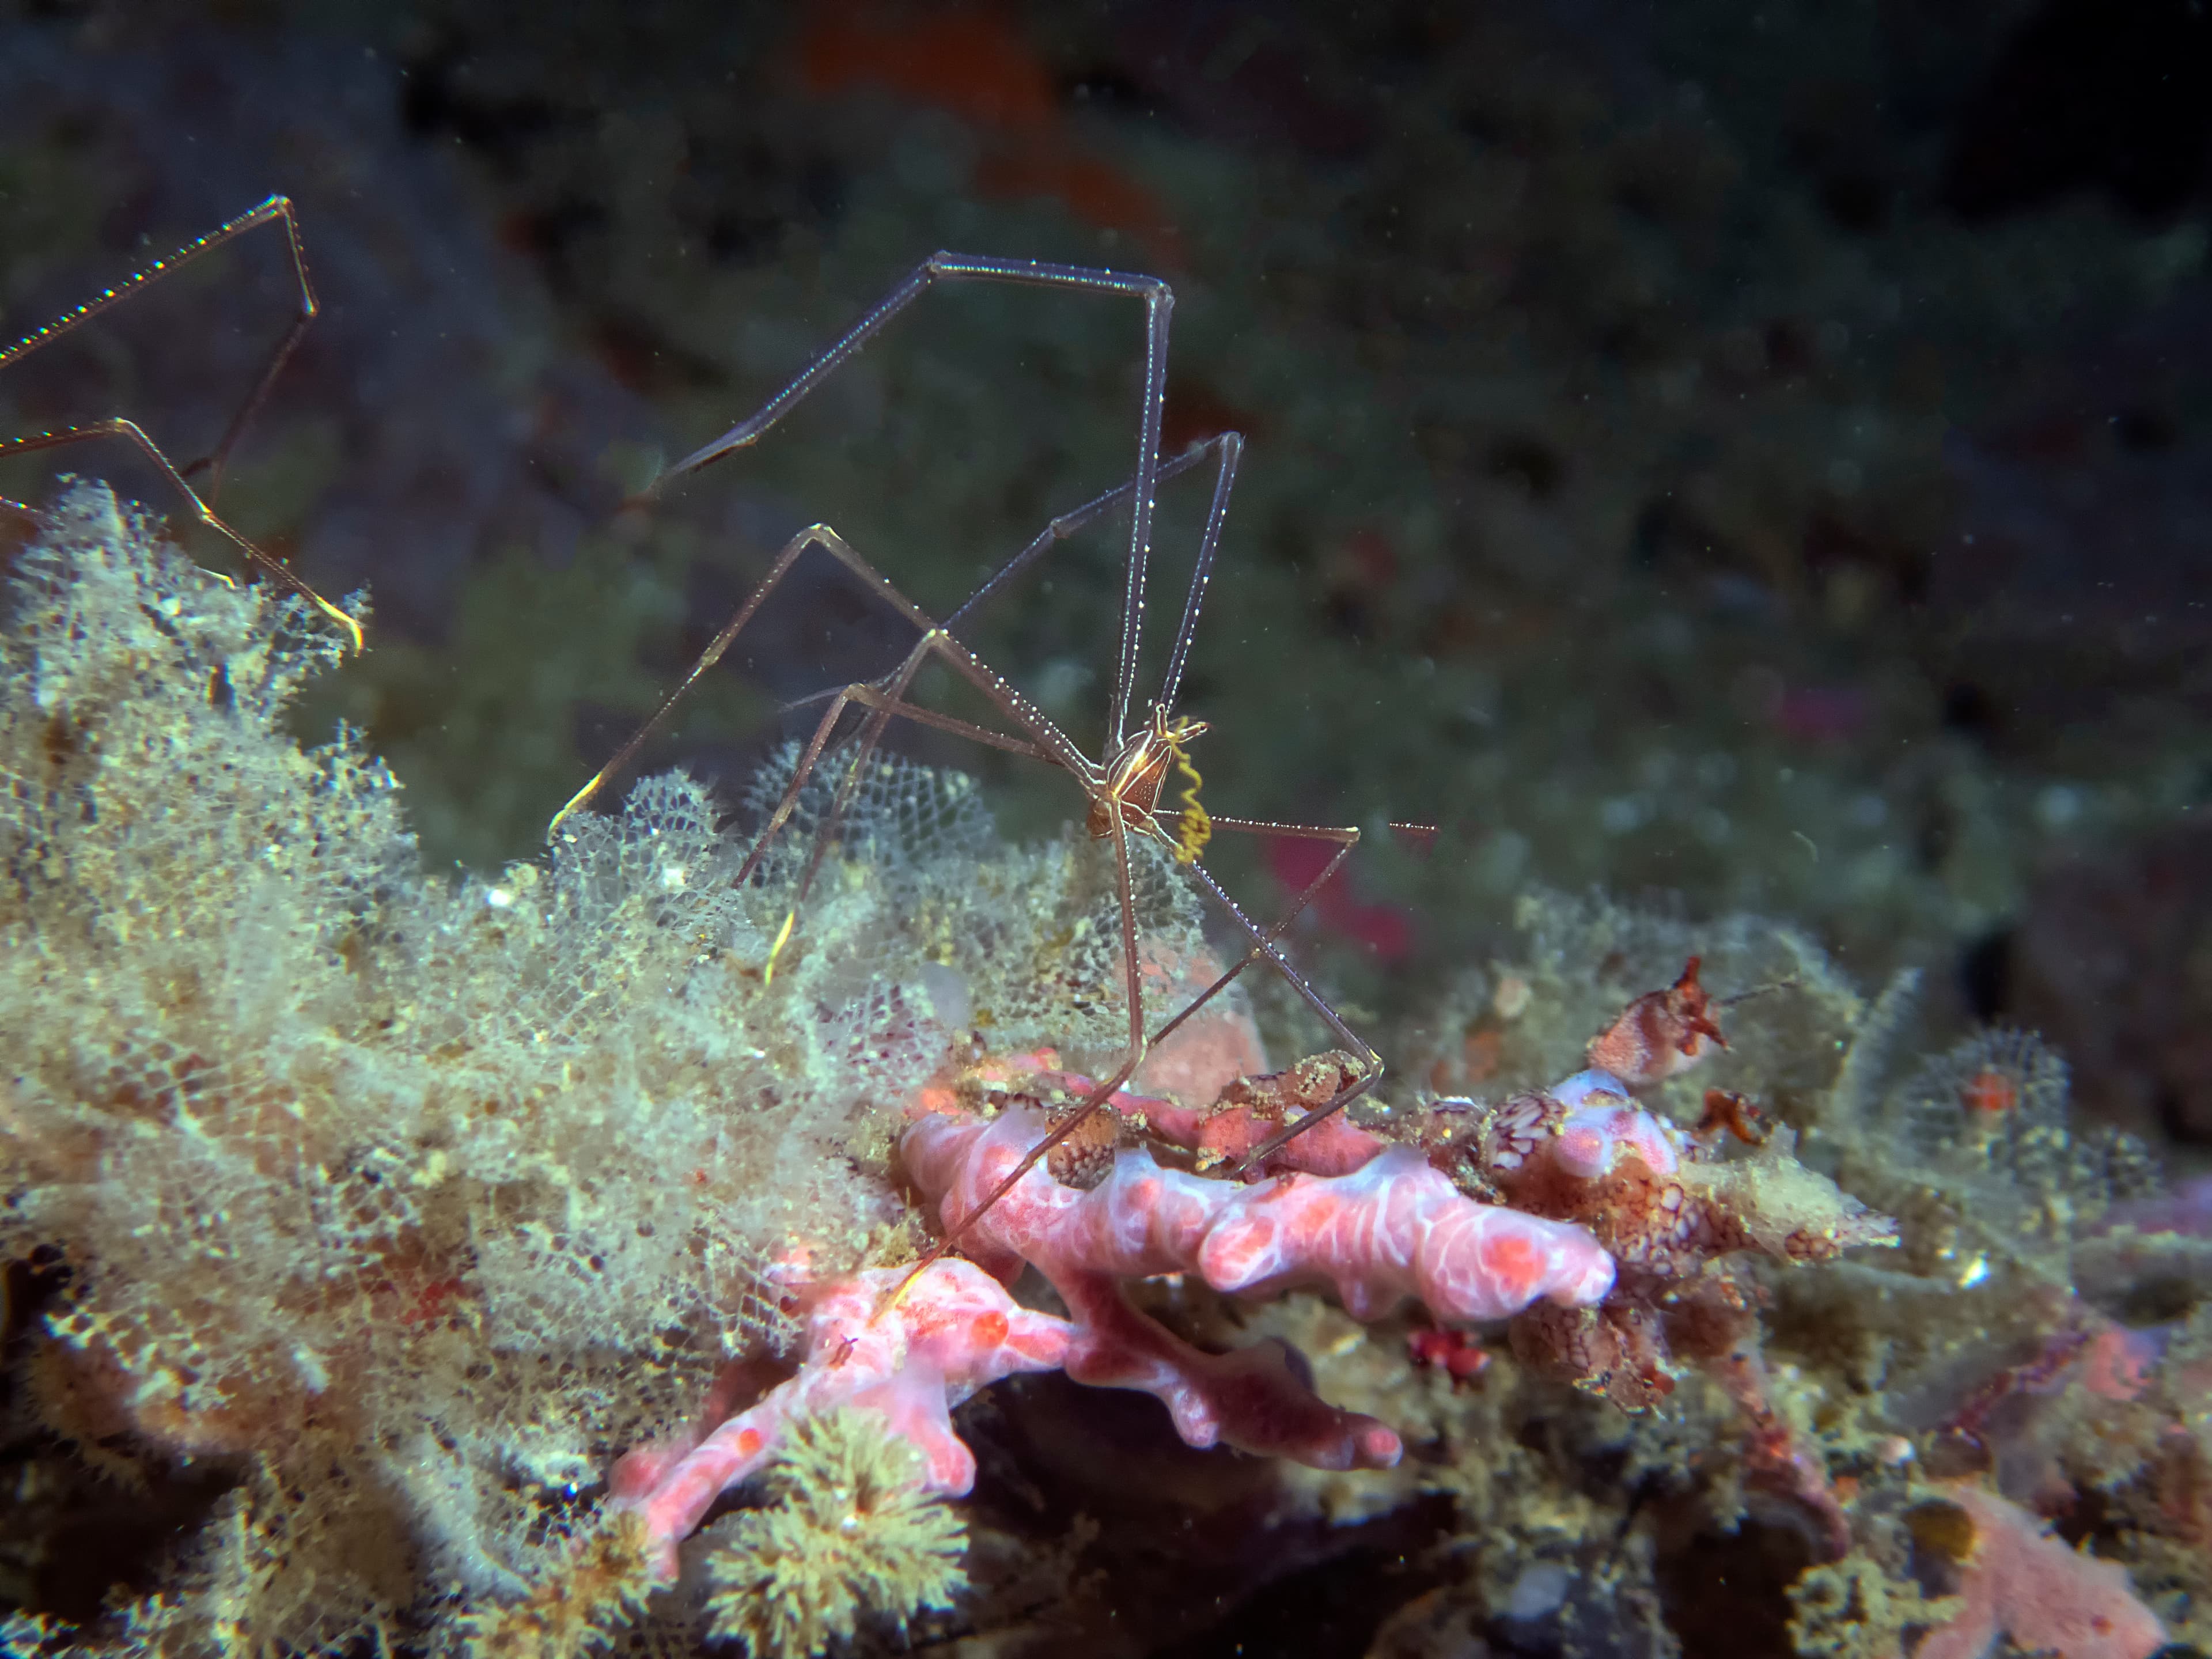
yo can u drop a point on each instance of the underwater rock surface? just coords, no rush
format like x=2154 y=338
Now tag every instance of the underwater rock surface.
x=365 y=1218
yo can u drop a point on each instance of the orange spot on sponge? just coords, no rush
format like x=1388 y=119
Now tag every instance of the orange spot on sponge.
x=1514 y=1262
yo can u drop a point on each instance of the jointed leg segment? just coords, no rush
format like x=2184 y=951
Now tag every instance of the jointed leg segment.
x=276 y=208
x=1123 y=784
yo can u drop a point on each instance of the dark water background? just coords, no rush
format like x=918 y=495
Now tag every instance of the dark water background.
x=1743 y=456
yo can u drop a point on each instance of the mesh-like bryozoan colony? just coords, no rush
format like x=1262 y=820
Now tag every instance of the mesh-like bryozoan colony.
x=420 y=1228
x=414 y=1201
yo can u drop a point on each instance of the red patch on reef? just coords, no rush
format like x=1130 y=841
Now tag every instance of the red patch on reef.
x=970 y=61
x=1385 y=929
x=1989 y=1093
x=1516 y=1264
x=973 y=62
x=1457 y=1353
x=989 y=1330
x=1194 y=412
x=434 y=1302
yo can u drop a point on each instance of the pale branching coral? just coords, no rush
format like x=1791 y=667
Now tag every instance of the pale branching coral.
x=849 y=1535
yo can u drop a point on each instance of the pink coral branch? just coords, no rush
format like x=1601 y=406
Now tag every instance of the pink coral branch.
x=954 y=1331
x=1249 y=1398
x=1392 y=1229
x=1336 y=1146
x=1395 y=1228
x=1223 y=1133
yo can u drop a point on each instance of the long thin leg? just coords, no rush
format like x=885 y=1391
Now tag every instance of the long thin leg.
x=809 y=537
x=1054 y=746
x=217 y=461
x=1160 y=304
x=929 y=717
x=1101 y=1091
x=1069 y=523
x=1140 y=1045
x=1263 y=945
x=1232 y=450
x=130 y=430
x=1345 y=836
x=884 y=699
x=276 y=208
x=884 y=702
x=1228 y=446
x=1372 y=1062
x=218 y=458
x=808 y=758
